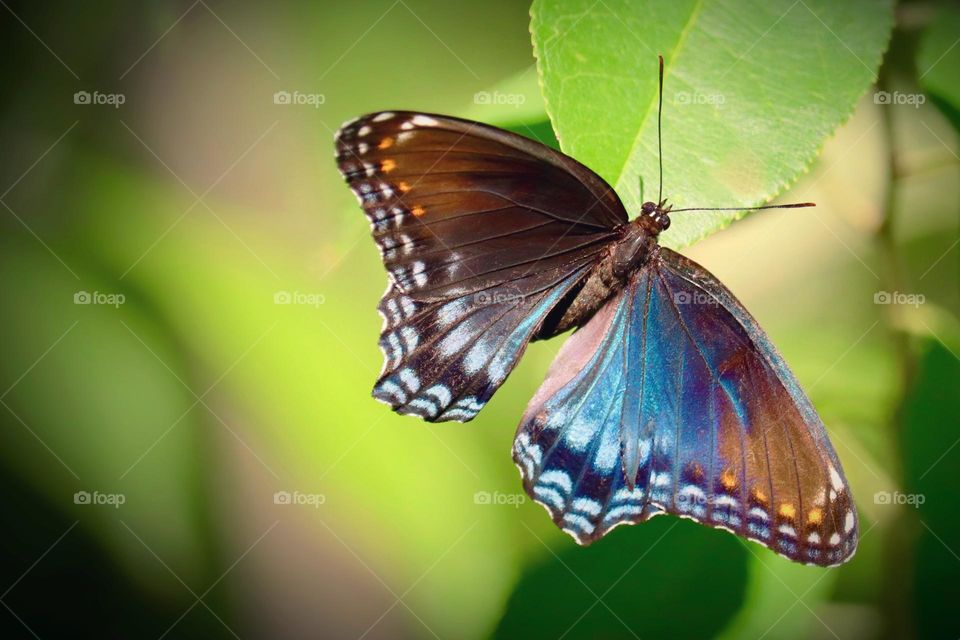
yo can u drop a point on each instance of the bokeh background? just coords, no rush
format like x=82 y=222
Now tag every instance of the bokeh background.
x=189 y=448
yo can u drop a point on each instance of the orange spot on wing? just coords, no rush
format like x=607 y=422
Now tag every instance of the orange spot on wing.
x=787 y=510
x=759 y=496
x=388 y=165
x=403 y=187
x=728 y=480
x=418 y=211
x=386 y=143
x=815 y=516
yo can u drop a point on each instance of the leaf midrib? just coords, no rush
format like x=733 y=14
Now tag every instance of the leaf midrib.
x=684 y=33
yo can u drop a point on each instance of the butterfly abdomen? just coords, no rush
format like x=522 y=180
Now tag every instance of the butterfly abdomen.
x=636 y=246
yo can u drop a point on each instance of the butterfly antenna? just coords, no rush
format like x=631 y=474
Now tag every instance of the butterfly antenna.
x=659 y=136
x=795 y=205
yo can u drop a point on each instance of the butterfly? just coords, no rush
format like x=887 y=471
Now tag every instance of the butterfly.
x=668 y=397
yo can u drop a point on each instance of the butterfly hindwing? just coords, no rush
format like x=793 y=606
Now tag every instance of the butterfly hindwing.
x=482 y=233
x=444 y=360
x=672 y=399
x=568 y=444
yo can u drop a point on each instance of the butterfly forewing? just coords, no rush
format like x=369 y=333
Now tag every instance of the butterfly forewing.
x=482 y=233
x=672 y=399
x=458 y=207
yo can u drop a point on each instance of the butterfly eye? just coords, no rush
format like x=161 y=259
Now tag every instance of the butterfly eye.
x=664 y=221
x=648 y=207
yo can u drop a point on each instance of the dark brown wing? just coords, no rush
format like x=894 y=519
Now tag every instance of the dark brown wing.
x=483 y=233
x=458 y=207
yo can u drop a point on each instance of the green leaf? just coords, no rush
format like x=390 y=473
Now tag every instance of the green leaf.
x=751 y=92
x=779 y=600
x=938 y=62
x=622 y=586
x=932 y=465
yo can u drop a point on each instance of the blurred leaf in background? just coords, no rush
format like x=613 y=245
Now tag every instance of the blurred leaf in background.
x=622 y=587
x=938 y=61
x=931 y=491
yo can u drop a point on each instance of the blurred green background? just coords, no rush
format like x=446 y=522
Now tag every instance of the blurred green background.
x=184 y=455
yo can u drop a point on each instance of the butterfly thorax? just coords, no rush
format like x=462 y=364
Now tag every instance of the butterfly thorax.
x=635 y=247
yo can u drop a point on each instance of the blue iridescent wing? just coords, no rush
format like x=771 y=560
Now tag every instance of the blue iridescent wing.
x=672 y=399
x=482 y=233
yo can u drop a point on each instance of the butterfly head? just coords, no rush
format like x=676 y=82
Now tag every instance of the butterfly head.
x=658 y=214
